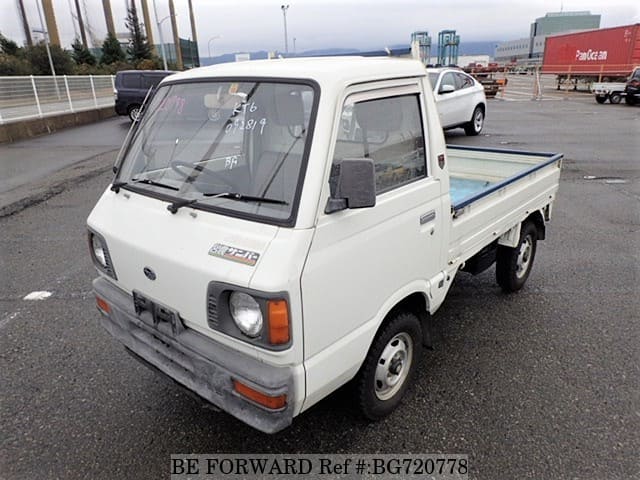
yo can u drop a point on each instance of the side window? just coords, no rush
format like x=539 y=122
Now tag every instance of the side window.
x=389 y=131
x=150 y=81
x=449 y=78
x=131 y=80
x=463 y=81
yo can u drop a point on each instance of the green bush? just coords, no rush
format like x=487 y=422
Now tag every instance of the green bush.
x=39 y=59
x=10 y=65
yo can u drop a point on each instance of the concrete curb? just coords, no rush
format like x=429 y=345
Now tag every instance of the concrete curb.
x=26 y=196
x=14 y=131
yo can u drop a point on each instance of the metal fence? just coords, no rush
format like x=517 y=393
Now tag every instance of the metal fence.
x=23 y=98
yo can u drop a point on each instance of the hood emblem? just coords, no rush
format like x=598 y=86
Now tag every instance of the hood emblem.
x=150 y=274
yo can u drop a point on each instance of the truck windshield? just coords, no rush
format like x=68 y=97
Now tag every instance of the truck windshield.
x=223 y=146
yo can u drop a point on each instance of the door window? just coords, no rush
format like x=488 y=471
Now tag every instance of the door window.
x=389 y=131
x=448 y=78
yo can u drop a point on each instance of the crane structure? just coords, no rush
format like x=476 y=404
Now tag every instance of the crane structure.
x=448 y=43
x=421 y=46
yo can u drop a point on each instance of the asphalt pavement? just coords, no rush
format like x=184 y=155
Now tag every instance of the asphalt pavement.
x=32 y=170
x=544 y=383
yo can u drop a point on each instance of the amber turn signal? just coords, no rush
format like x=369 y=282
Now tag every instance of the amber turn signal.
x=272 y=403
x=102 y=305
x=278 y=319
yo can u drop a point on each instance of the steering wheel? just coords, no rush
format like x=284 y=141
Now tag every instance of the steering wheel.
x=178 y=165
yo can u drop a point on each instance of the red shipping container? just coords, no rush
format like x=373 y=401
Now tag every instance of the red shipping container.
x=611 y=51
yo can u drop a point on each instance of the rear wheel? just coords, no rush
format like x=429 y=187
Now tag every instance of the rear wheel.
x=601 y=99
x=474 y=127
x=615 y=98
x=389 y=366
x=133 y=112
x=513 y=265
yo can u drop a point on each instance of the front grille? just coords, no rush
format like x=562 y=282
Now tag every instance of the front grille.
x=212 y=310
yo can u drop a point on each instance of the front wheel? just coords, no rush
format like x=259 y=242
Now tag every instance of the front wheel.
x=629 y=99
x=513 y=265
x=474 y=127
x=389 y=366
x=601 y=99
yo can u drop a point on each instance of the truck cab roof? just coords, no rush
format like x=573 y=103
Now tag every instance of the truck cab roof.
x=337 y=71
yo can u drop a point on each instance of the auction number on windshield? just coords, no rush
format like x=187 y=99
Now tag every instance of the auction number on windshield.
x=250 y=125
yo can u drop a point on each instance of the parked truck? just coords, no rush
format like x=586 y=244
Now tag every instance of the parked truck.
x=612 y=91
x=604 y=55
x=276 y=229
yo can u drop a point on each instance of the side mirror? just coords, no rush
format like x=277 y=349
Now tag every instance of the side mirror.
x=353 y=185
x=447 y=89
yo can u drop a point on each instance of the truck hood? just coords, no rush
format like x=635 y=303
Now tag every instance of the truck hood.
x=186 y=251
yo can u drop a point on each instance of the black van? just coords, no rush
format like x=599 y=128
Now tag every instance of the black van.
x=132 y=87
x=632 y=89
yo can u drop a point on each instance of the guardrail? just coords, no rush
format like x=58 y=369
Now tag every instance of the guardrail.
x=24 y=98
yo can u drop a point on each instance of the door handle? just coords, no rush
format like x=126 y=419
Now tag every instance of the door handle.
x=427 y=217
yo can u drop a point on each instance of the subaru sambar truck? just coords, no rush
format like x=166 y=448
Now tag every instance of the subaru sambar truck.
x=276 y=229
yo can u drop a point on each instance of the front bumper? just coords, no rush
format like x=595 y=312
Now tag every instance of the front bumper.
x=197 y=362
x=121 y=107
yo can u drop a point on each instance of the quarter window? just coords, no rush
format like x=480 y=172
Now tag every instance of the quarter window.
x=463 y=81
x=389 y=131
x=131 y=81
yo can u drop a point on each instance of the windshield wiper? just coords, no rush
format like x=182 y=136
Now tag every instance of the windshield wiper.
x=246 y=198
x=148 y=181
x=178 y=204
x=116 y=186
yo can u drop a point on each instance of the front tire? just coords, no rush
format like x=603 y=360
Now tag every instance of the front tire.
x=389 y=367
x=629 y=99
x=601 y=99
x=513 y=265
x=474 y=127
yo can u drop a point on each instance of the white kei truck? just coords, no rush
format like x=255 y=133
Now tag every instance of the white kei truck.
x=276 y=229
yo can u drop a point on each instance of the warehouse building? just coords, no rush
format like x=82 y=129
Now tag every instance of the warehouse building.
x=531 y=49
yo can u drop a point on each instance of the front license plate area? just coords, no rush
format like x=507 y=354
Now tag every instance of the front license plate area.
x=154 y=313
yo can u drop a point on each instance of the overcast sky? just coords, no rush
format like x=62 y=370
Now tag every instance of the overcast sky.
x=249 y=25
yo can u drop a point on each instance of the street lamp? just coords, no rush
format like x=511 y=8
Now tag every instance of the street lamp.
x=215 y=37
x=159 y=23
x=284 y=16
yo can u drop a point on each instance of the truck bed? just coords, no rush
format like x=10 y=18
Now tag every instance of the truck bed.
x=493 y=190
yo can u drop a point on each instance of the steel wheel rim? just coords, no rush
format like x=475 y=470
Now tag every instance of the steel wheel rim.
x=524 y=257
x=478 y=120
x=393 y=366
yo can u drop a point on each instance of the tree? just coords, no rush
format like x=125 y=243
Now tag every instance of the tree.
x=111 y=50
x=39 y=59
x=81 y=54
x=12 y=65
x=8 y=47
x=138 y=48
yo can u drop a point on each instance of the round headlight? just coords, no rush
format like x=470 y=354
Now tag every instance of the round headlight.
x=98 y=250
x=246 y=313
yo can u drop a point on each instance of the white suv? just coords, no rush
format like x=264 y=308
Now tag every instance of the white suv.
x=460 y=99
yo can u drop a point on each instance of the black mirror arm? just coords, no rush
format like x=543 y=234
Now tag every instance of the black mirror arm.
x=335 y=205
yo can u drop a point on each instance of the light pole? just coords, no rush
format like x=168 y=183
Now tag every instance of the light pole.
x=159 y=23
x=215 y=37
x=284 y=16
